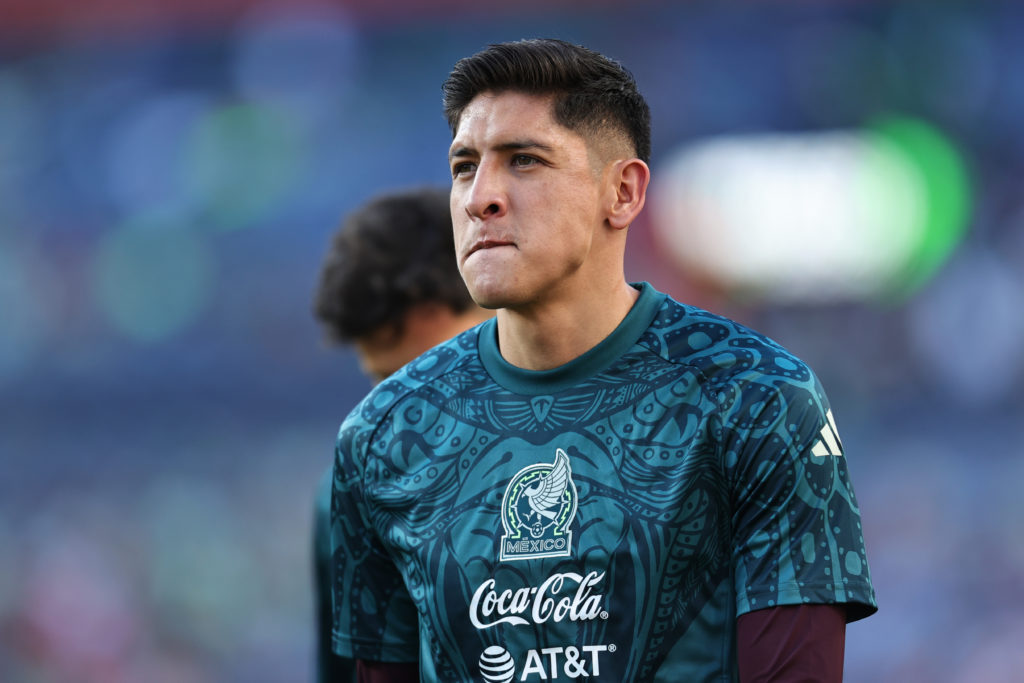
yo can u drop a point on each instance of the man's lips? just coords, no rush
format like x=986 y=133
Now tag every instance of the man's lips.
x=488 y=244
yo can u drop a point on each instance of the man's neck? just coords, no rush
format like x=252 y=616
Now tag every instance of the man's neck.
x=551 y=335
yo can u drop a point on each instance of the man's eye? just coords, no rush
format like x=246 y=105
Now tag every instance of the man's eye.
x=462 y=168
x=523 y=160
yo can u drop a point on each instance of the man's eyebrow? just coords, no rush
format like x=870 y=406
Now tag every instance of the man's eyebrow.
x=523 y=144
x=461 y=152
x=512 y=145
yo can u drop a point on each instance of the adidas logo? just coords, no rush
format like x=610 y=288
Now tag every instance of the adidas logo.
x=828 y=440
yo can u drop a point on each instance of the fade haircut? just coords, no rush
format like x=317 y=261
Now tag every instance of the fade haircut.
x=592 y=93
x=390 y=255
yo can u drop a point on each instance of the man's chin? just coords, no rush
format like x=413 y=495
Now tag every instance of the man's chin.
x=492 y=298
x=491 y=303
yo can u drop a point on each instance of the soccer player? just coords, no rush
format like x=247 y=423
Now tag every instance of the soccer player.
x=389 y=286
x=601 y=482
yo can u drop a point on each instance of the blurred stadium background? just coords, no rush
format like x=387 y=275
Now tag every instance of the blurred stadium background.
x=843 y=176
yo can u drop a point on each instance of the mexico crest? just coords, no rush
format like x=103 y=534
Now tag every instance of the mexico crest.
x=538 y=506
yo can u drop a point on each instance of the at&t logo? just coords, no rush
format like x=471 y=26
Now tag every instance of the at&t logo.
x=497 y=665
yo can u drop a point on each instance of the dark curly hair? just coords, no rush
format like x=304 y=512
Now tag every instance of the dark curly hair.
x=395 y=252
x=593 y=94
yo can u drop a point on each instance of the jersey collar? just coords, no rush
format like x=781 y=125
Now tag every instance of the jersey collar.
x=537 y=382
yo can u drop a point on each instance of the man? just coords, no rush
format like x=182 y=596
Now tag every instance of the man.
x=389 y=286
x=601 y=482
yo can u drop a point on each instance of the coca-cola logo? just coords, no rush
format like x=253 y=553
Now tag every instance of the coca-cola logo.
x=565 y=596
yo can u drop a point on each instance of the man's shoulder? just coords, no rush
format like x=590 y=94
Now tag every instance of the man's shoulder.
x=424 y=376
x=718 y=347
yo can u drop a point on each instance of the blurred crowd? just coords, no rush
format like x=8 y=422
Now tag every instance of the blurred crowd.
x=167 y=401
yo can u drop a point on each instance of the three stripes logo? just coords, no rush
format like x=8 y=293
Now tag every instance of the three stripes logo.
x=828 y=440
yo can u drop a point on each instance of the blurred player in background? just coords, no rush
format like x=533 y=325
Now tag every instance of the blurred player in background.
x=390 y=287
x=601 y=482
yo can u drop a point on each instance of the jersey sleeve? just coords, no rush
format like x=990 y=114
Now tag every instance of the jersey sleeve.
x=329 y=667
x=797 y=536
x=374 y=617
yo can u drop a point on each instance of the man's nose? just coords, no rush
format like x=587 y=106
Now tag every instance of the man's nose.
x=487 y=195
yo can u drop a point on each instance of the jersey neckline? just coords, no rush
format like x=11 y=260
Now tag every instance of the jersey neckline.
x=600 y=357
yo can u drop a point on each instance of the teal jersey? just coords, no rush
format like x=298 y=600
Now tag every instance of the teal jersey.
x=330 y=668
x=608 y=519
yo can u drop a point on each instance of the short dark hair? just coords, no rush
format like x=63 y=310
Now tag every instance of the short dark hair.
x=393 y=253
x=592 y=92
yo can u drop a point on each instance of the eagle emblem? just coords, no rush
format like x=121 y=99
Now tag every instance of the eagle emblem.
x=538 y=506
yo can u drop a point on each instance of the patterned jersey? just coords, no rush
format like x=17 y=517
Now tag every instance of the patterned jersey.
x=329 y=667
x=608 y=519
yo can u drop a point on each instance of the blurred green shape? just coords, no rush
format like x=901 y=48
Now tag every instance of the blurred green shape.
x=240 y=160
x=201 y=574
x=947 y=192
x=152 y=280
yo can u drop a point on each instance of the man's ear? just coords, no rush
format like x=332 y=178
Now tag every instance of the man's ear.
x=629 y=179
